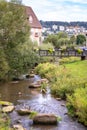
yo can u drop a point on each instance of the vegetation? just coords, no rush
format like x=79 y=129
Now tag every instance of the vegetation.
x=81 y=39
x=58 y=40
x=49 y=24
x=46 y=46
x=68 y=81
x=68 y=60
x=4 y=121
x=16 y=49
x=77 y=104
x=33 y=114
x=62 y=39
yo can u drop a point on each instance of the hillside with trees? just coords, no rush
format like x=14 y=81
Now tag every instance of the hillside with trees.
x=49 y=24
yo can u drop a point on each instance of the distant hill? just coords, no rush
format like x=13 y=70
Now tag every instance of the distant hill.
x=48 y=24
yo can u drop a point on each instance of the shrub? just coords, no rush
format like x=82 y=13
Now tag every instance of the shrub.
x=79 y=51
x=66 y=84
x=45 y=59
x=61 y=78
x=44 y=68
x=69 y=60
x=46 y=46
x=77 y=104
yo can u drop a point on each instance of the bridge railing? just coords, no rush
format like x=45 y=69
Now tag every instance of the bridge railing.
x=60 y=53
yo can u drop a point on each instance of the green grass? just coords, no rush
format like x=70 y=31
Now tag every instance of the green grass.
x=78 y=69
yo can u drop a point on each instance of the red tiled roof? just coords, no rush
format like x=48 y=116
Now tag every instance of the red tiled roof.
x=35 y=22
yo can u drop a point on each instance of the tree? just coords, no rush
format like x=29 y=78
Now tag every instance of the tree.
x=51 y=39
x=62 y=35
x=80 y=39
x=13 y=23
x=14 y=31
x=72 y=39
x=4 y=67
x=58 y=39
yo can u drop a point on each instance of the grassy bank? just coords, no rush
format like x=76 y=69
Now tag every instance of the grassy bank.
x=78 y=68
x=68 y=81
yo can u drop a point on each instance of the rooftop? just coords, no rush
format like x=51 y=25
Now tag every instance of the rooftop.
x=33 y=20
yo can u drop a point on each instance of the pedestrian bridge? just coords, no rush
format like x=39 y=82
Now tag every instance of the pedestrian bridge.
x=61 y=53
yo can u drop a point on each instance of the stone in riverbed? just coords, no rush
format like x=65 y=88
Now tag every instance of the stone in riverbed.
x=34 y=85
x=18 y=127
x=47 y=119
x=59 y=99
x=8 y=109
x=31 y=75
x=24 y=111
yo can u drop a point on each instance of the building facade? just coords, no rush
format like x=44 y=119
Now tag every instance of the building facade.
x=36 y=28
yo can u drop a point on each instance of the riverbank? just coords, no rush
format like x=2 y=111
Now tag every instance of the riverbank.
x=35 y=100
x=68 y=81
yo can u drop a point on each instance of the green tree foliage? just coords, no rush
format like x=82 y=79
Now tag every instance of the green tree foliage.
x=62 y=35
x=80 y=39
x=15 y=47
x=72 y=39
x=58 y=40
x=4 y=68
x=51 y=39
x=46 y=46
x=13 y=24
x=28 y=58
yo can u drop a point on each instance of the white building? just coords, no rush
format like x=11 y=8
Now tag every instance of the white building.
x=36 y=28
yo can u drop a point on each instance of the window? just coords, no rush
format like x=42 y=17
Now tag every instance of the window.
x=30 y=19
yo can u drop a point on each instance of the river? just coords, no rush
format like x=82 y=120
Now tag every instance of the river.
x=22 y=96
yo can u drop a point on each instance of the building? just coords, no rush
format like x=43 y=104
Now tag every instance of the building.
x=36 y=28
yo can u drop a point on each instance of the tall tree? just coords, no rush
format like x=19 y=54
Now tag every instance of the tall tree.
x=14 y=31
x=62 y=35
x=81 y=39
x=72 y=39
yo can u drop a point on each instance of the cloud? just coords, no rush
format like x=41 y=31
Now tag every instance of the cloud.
x=59 y=10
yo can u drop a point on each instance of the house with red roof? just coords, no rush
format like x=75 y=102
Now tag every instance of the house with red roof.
x=36 y=28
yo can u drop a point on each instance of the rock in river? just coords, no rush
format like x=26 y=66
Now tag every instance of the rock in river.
x=24 y=111
x=18 y=127
x=8 y=109
x=45 y=119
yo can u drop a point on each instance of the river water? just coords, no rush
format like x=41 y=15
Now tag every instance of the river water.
x=22 y=96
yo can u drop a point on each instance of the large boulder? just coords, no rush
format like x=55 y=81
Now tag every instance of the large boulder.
x=45 y=119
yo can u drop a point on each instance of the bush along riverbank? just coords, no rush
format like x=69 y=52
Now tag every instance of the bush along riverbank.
x=68 y=82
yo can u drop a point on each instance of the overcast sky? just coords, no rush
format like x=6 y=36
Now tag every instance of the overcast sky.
x=59 y=10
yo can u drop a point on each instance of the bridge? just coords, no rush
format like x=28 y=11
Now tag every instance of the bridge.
x=61 y=53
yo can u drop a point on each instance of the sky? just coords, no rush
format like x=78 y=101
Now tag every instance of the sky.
x=59 y=10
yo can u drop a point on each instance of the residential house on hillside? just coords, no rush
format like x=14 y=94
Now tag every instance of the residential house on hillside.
x=36 y=28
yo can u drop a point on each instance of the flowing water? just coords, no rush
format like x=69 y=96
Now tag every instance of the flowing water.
x=24 y=97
